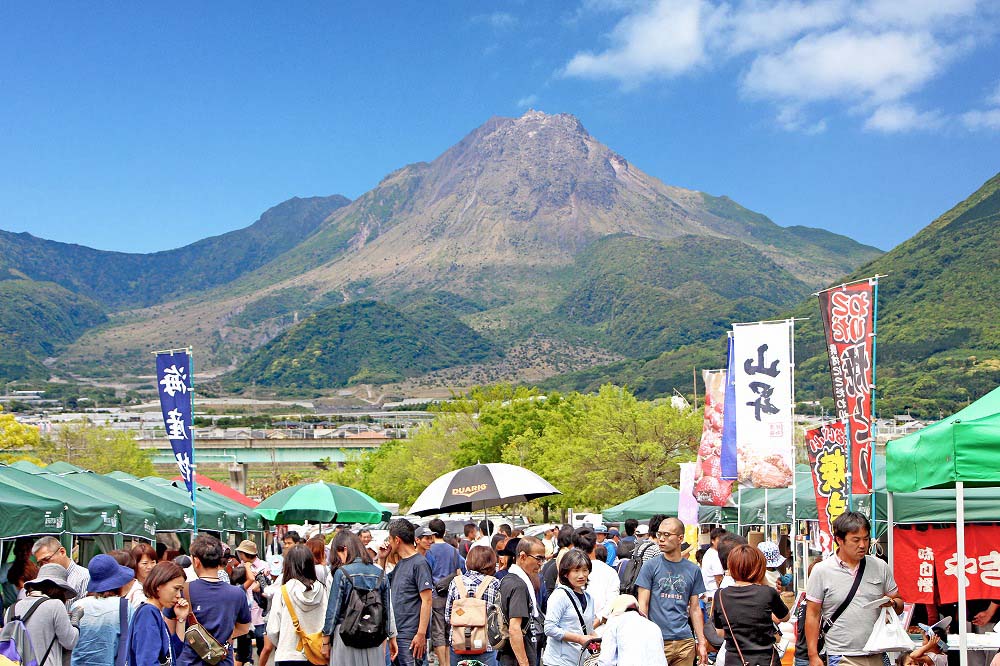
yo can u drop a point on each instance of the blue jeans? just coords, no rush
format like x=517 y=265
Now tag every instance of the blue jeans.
x=405 y=658
x=488 y=658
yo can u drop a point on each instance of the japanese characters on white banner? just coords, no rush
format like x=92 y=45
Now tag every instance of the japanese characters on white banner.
x=175 y=385
x=763 y=383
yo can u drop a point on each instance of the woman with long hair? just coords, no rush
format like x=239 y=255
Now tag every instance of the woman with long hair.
x=151 y=641
x=301 y=596
x=481 y=564
x=355 y=569
x=745 y=612
x=569 y=619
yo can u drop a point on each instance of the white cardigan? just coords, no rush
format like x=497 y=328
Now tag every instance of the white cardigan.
x=310 y=607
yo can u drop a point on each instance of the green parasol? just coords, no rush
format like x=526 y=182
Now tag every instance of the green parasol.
x=320 y=502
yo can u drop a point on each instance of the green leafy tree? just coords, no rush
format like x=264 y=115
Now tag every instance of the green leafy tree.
x=98 y=448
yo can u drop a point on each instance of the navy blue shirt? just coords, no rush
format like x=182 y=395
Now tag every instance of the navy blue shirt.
x=444 y=559
x=218 y=607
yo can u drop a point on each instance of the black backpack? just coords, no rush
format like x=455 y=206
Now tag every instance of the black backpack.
x=630 y=574
x=364 y=623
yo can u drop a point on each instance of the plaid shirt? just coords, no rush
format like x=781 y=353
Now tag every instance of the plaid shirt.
x=472 y=580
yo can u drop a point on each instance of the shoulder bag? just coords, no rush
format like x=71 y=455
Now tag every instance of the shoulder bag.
x=202 y=642
x=591 y=653
x=311 y=645
x=824 y=627
x=732 y=634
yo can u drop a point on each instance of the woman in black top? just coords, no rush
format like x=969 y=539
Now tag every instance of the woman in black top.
x=745 y=612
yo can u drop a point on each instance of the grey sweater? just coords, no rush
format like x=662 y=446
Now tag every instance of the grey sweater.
x=49 y=620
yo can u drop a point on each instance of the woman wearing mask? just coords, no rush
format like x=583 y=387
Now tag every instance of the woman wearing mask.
x=356 y=569
x=745 y=612
x=300 y=596
x=569 y=619
x=152 y=642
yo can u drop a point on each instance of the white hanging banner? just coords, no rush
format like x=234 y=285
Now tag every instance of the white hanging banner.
x=763 y=378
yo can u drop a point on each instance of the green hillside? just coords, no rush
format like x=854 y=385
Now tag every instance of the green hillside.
x=35 y=318
x=639 y=295
x=938 y=329
x=363 y=342
x=122 y=280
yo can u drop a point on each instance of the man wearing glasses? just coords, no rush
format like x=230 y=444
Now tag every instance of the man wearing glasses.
x=520 y=607
x=49 y=550
x=669 y=587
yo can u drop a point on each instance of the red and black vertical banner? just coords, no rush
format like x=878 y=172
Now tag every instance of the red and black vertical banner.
x=848 y=319
x=827 y=447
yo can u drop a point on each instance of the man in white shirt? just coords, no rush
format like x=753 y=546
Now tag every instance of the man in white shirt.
x=711 y=565
x=603 y=582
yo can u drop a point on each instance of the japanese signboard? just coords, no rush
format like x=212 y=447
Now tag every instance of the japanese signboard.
x=926 y=563
x=827 y=447
x=175 y=384
x=762 y=354
x=709 y=486
x=848 y=320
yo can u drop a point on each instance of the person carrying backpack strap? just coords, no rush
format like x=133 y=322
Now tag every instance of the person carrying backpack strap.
x=51 y=629
x=479 y=582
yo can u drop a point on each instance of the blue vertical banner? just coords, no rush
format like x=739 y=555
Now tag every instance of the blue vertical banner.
x=175 y=384
x=729 y=462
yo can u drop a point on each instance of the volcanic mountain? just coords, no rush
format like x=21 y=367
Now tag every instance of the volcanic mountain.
x=535 y=232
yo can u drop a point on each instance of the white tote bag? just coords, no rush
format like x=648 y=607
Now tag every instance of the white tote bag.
x=888 y=634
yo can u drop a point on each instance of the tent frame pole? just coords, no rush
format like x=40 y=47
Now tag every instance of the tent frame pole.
x=960 y=538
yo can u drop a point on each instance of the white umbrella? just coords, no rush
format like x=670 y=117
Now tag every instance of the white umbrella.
x=479 y=487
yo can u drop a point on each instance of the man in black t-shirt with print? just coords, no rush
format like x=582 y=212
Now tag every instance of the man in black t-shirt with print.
x=519 y=605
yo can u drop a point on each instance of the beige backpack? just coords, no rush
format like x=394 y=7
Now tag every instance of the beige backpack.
x=468 y=619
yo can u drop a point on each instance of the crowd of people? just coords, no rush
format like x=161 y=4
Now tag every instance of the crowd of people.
x=494 y=597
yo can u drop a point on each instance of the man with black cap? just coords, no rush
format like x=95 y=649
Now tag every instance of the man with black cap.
x=52 y=629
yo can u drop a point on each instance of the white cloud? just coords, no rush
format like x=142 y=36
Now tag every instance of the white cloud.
x=982 y=120
x=871 y=57
x=892 y=118
x=792 y=119
x=916 y=13
x=756 y=25
x=527 y=100
x=994 y=98
x=845 y=64
x=663 y=40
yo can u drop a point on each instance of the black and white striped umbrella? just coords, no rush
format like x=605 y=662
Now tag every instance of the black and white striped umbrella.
x=479 y=487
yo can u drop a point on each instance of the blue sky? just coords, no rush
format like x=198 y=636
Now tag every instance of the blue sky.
x=140 y=126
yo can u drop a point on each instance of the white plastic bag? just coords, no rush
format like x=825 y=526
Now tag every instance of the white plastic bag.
x=888 y=634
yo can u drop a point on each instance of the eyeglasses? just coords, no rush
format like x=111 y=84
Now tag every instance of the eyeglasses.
x=42 y=561
x=538 y=558
x=664 y=535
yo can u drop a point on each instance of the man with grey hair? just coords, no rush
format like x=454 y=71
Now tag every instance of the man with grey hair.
x=840 y=593
x=49 y=549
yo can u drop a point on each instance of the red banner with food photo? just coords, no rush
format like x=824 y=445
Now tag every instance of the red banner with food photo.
x=827 y=447
x=848 y=320
x=709 y=487
x=926 y=563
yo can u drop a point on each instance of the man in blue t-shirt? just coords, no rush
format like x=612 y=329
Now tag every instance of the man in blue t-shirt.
x=219 y=607
x=669 y=587
x=444 y=560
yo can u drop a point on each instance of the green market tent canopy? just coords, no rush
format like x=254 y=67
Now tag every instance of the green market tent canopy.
x=84 y=514
x=209 y=517
x=963 y=447
x=24 y=513
x=239 y=518
x=659 y=500
x=170 y=516
x=320 y=502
